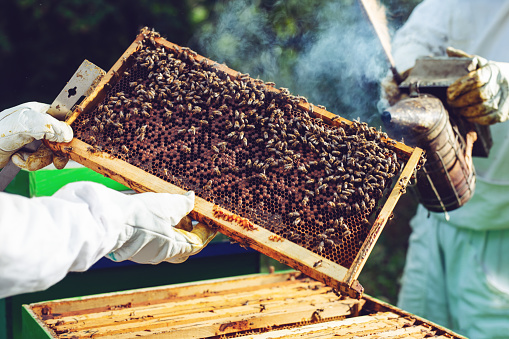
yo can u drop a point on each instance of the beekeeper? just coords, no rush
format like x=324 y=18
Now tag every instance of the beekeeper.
x=41 y=239
x=457 y=271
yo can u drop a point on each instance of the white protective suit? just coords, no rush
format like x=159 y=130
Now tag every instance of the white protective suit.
x=457 y=272
x=41 y=239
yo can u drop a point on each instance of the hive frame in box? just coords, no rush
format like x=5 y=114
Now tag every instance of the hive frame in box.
x=342 y=278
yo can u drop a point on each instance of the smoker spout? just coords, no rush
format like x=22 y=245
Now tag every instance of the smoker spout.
x=386 y=117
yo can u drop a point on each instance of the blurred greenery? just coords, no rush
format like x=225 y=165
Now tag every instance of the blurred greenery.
x=324 y=50
x=43 y=42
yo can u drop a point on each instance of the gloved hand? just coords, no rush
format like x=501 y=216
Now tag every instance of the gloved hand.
x=22 y=124
x=481 y=95
x=156 y=231
x=390 y=93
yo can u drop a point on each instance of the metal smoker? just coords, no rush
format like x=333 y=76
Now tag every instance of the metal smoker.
x=447 y=180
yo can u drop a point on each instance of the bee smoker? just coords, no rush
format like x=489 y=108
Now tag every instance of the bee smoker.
x=447 y=180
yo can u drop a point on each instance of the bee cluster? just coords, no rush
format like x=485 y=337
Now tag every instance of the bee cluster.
x=244 y=146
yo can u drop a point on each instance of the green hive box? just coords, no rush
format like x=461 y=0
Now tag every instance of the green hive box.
x=218 y=259
x=45 y=182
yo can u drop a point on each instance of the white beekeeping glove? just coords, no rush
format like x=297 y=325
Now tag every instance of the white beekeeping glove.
x=481 y=95
x=156 y=235
x=22 y=124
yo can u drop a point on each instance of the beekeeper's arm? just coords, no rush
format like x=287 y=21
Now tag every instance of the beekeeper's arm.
x=41 y=239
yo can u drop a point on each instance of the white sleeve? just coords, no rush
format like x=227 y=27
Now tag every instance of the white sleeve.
x=41 y=239
x=424 y=33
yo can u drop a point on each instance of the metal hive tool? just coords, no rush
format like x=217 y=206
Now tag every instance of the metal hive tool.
x=270 y=170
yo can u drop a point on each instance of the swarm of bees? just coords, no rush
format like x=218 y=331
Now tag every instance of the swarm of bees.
x=253 y=150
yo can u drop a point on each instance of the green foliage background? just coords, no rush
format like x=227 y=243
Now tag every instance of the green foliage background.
x=43 y=42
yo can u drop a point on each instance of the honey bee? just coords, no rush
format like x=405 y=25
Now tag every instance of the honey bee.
x=329 y=242
x=294 y=236
x=222 y=146
x=318 y=263
x=208 y=186
x=141 y=132
x=305 y=201
x=347 y=232
x=319 y=247
x=263 y=176
x=217 y=171
x=125 y=149
x=294 y=214
x=296 y=221
x=302 y=168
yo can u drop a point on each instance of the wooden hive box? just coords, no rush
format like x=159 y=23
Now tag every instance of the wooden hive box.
x=270 y=170
x=283 y=305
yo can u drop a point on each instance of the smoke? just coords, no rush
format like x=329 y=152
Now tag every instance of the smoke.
x=325 y=50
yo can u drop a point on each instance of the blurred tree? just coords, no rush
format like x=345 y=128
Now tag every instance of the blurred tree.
x=42 y=43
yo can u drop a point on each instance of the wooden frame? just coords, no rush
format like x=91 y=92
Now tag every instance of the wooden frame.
x=282 y=305
x=342 y=278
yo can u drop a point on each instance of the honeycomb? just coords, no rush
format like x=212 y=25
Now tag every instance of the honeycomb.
x=241 y=144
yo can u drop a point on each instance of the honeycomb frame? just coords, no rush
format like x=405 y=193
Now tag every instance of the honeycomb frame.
x=270 y=232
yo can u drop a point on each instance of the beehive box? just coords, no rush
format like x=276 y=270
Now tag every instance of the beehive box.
x=272 y=171
x=284 y=305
